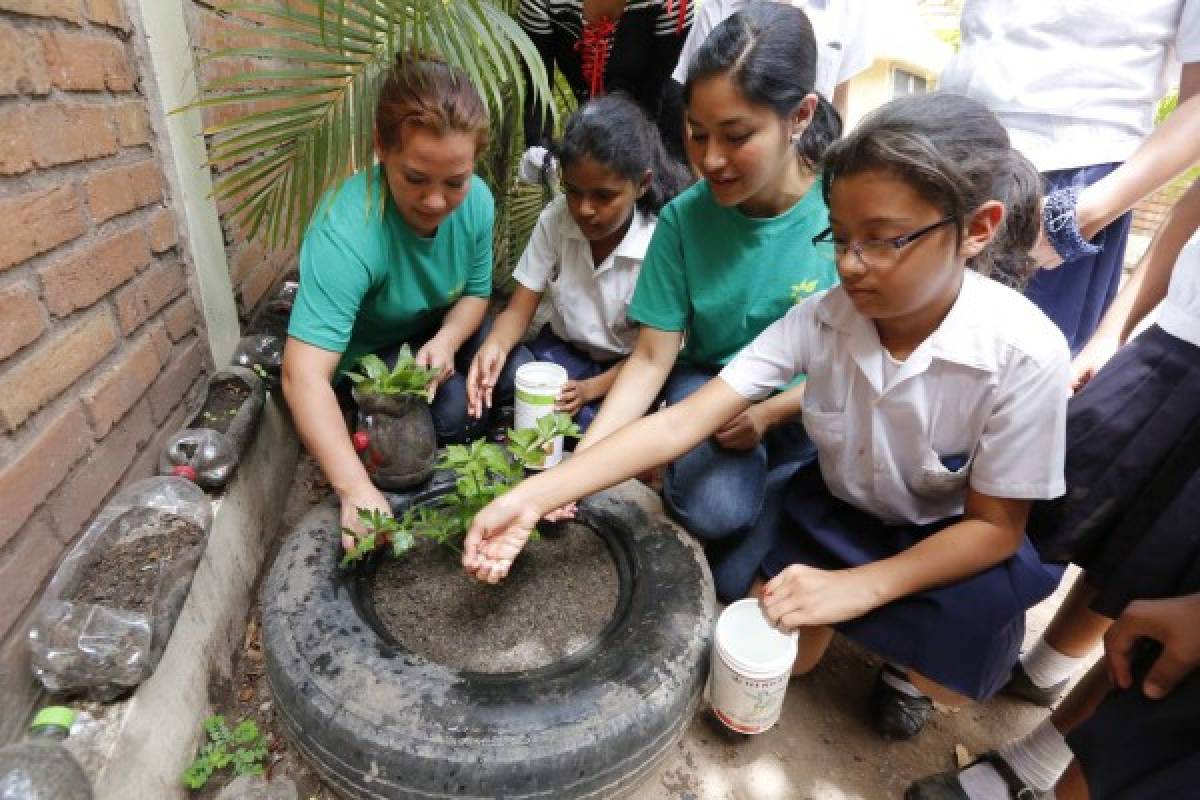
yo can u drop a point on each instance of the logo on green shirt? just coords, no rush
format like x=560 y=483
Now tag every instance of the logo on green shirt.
x=803 y=289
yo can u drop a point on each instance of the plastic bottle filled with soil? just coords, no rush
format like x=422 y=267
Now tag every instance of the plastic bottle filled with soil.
x=261 y=352
x=39 y=767
x=395 y=438
x=202 y=455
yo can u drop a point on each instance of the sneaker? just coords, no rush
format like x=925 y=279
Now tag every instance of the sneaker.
x=897 y=714
x=1022 y=686
x=946 y=785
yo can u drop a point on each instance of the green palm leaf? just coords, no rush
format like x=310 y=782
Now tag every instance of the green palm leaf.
x=311 y=109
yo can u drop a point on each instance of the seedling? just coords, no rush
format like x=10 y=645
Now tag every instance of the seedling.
x=484 y=471
x=406 y=378
x=244 y=748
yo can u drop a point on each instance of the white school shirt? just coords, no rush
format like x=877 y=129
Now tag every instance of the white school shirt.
x=1075 y=82
x=988 y=387
x=587 y=303
x=840 y=27
x=1180 y=311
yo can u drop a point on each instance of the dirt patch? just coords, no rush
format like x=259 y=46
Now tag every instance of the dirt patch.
x=561 y=593
x=127 y=574
x=224 y=400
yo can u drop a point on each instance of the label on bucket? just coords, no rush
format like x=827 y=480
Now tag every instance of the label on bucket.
x=746 y=704
x=538 y=385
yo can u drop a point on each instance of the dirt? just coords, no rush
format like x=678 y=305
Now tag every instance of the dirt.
x=224 y=400
x=561 y=593
x=127 y=574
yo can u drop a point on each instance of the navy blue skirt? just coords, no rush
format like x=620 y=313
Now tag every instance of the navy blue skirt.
x=1133 y=748
x=965 y=636
x=1133 y=476
x=1076 y=294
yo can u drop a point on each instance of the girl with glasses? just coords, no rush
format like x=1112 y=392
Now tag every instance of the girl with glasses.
x=936 y=397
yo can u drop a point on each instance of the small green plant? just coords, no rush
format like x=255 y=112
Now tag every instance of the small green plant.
x=483 y=470
x=406 y=378
x=244 y=748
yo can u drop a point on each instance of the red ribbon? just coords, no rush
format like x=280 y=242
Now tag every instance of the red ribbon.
x=593 y=49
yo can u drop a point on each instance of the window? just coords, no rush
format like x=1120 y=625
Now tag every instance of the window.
x=905 y=82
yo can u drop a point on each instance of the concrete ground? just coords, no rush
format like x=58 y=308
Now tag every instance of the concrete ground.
x=823 y=747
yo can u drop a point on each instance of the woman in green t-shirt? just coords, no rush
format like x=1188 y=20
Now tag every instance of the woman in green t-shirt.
x=729 y=257
x=400 y=253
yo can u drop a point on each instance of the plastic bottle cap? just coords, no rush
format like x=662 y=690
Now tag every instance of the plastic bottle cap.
x=56 y=716
x=361 y=441
x=184 y=471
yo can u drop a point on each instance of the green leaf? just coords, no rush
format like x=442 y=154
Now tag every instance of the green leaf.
x=246 y=732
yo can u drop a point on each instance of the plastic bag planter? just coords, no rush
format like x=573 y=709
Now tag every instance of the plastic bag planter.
x=380 y=721
x=105 y=619
x=211 y=446
x=262 y=353
x=395 y=438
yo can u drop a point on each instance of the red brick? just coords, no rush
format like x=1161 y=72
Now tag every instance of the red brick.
x=35 y=222
x=176 y=379
x=16 y=142
x=108 y=12
x=25 y=568
x=62 y=9
x=254 y=287
x=133 y=123
x=47 y=134
x=81 y=280
x=157 y=331
x=21 y=319
x=56 y=363
x=181 y=318
x=152 y=290
x=117 y=388
x=22 y=68
x=80 y=495
x=121 y=189
x=245 y=262
x=81 y=62
x=43 y=463
x=163 y=233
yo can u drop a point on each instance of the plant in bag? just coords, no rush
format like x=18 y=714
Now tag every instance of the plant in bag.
x=244 y=748
x=406 y=378
x=483 y=472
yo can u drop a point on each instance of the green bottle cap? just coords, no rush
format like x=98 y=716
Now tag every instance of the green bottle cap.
x=56 y=716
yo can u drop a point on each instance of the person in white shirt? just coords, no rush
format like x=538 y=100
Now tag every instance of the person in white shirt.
x=936 y=397
x=1076 y=85
x=586 y=250
x=1128 y=519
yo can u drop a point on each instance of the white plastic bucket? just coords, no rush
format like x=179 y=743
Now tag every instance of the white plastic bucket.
x=751 y=664
x=538 y=386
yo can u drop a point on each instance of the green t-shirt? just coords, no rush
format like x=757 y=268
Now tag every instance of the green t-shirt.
x=367 y=282
x=721 y=277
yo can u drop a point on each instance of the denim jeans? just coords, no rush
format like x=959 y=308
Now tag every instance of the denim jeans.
x=578 y=364
x=717 y=494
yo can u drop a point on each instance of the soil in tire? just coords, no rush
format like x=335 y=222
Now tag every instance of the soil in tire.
x=560 y=594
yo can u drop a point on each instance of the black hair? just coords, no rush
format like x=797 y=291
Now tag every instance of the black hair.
x=613 y=130
x=770 y=53
x=956 y=155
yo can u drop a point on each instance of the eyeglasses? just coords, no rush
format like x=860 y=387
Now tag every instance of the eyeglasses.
x=878 y=253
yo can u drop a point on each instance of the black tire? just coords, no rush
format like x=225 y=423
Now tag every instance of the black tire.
x=380 y=722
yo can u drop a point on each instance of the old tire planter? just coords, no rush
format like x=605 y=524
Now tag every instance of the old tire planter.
x=381 y=722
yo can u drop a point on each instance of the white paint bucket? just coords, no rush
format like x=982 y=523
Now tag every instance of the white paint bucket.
x=751 y=663
x=538 y=386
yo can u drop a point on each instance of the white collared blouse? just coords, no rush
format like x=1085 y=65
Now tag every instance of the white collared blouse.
x=587 y=302
x=981 y=402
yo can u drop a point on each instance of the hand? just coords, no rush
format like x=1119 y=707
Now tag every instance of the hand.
x=482 y=377
x=743 y=432
x=1091 y=358
x=803 y=596
x=497 y=535
x=538 y=166
x=573 y=396
x=569 y=511
x=1171 y=622
x=365 y=497
x=436 y=354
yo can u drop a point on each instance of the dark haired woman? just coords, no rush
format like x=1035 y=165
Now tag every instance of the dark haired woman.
x=399 y=253
x=586 y=251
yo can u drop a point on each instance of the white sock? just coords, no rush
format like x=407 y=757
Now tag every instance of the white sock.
x=1045 y=666
x=1040 y=757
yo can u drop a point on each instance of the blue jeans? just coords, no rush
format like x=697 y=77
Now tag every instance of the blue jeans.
x=450 y=418
x=578 y=364
x=717 y=494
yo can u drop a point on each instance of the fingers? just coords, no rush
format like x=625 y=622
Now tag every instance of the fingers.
x=347 y=542
x=563 y=512
x=1118 y=645
x=1168 y=670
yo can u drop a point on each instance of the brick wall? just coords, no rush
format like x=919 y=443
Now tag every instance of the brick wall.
x=99 y=339
x=1149 y=214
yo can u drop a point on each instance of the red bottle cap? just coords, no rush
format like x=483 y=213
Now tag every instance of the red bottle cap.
x=360 y=441
x=185 y=471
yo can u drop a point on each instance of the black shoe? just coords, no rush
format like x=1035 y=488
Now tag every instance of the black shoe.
x=897 y=714
x=1022 y=686
x=947 y=786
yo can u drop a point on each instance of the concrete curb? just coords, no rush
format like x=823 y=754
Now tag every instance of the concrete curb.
x=141 y=746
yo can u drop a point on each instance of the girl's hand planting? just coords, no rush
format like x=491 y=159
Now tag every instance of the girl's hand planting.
x=497 y=535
